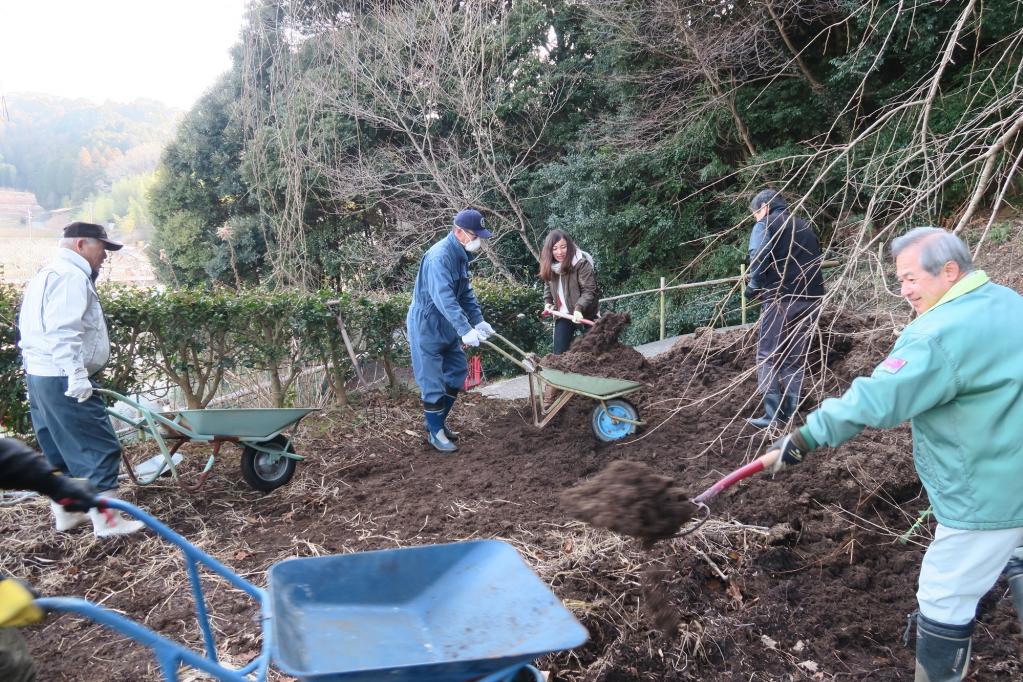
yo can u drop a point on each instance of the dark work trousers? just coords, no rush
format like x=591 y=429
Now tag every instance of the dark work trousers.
x=782 y=341
x=564 y=332
x=76 y=438
x=15 y=661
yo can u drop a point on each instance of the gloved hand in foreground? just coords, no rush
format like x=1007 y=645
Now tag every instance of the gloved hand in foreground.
x=23 y=467
x=17 y=604
x=472 y=338
x=485 y=330
x=74 y=494
x=787 y=450
x=78 y=386
x=577 y=317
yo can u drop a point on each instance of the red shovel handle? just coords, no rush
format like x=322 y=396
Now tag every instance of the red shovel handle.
x=731 y=479
x=558 y=313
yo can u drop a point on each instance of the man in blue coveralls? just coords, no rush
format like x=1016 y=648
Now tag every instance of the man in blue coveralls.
x=444 y=315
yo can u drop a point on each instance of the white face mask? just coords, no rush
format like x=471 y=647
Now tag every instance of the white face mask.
x=474 y=245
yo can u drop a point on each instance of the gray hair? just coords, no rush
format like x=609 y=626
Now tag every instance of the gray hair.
x=938 y=247
x=69 y=242
x=767 y=196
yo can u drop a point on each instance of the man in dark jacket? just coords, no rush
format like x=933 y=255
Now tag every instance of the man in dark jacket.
x=785 y=275
x=22 y=467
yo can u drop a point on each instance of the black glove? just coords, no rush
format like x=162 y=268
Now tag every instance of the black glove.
x=74 y=494
x=23 y=467
x=752 y=294
x=793 y=448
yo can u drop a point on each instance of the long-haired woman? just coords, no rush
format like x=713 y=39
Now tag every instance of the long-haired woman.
x=569 y=286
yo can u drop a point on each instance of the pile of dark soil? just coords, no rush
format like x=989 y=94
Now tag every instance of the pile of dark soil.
x=598 y=351
x=794 y=577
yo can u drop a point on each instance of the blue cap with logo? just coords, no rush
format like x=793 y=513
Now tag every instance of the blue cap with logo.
x=472 y=220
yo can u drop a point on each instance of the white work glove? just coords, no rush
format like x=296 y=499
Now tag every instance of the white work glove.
x=472 y=338
x=548 y=308
x=485 y=330
x=78 y=386
x=577 y=317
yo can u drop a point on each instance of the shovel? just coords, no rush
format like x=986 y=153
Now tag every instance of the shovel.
x=558 y=313
x=701 y=500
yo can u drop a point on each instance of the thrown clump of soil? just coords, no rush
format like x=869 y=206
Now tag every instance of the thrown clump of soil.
x=599 y=351
x=629 y=498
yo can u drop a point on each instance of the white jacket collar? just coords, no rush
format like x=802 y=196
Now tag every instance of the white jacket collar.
x=75 y=259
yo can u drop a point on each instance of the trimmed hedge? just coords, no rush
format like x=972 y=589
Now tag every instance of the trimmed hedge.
x=190 y=337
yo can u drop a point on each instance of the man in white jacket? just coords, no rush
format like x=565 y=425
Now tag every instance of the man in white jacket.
x=64 y=343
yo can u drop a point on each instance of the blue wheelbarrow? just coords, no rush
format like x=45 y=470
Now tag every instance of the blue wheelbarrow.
x=437 y=613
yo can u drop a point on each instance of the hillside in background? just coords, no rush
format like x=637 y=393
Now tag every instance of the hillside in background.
x=96 y=159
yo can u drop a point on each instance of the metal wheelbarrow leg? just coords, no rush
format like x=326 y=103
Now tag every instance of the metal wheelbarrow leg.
x=171 y=654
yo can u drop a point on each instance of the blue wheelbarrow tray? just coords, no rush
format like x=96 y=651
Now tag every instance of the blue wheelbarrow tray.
x=436 y=613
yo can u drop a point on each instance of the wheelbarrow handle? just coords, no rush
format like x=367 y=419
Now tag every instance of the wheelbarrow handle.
x=731 y=479
x=523 y=362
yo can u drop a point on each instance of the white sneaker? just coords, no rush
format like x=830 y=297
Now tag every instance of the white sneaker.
x=65 y=520
x=110 y=522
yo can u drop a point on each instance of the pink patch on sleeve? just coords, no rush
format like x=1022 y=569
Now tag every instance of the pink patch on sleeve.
x=893 y=364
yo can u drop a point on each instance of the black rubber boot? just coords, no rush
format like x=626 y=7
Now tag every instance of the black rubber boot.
x=942 y=650
x=450 y=396
x=771 y=403
x=787 y=409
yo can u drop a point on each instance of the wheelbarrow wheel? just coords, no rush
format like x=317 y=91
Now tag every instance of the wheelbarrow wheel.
x=263 y=474
x=605 y=428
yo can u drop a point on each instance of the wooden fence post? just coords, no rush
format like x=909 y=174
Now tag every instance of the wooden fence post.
x=662 y=309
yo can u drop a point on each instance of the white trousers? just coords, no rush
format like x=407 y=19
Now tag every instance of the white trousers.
x=959 y=568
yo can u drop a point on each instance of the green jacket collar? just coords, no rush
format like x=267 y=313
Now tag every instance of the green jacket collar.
x=972 y=281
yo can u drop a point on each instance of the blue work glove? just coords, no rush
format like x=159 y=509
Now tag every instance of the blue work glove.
x=791 y=449
x=472 y=338
x=752 y=293
x=485 y=330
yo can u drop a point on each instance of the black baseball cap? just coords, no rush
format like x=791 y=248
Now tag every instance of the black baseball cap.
x=82 y=230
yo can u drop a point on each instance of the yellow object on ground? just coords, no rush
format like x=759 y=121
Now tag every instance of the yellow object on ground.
x=17 y=605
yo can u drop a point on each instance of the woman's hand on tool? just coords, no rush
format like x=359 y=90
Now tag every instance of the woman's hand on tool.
x=548 y=308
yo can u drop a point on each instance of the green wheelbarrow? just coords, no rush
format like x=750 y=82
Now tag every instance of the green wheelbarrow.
x=268 y=459
x=613 y=418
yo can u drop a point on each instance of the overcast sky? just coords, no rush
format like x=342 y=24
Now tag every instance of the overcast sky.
x=168 y=50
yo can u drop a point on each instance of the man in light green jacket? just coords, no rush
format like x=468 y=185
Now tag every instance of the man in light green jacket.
x=956 y=372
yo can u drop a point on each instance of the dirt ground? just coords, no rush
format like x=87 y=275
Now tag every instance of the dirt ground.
x=800 y=577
